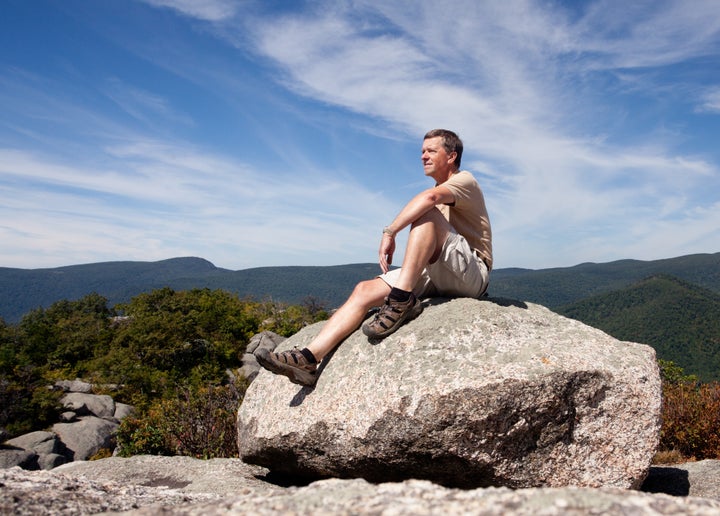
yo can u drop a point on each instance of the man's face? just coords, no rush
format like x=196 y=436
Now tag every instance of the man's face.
x=435 y=159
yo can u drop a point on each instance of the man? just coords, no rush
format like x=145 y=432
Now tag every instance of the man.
x=448 y=253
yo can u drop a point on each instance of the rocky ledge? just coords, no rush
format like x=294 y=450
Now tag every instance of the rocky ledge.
x=87 y=426
x=185 y=486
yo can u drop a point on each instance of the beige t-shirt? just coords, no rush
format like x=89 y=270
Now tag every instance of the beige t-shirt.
x=468 y=214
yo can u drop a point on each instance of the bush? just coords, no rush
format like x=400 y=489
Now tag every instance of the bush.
x=691 y=420
x=200 y=423
x=163 y=353
x=691 y=417
x=142 y=436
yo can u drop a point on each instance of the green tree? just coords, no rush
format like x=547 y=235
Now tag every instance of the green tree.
x=48 y=343
x=169 y=340
x=672 y=373
x=65 y=335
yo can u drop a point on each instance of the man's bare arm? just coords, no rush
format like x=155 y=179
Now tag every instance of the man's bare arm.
x=413 y=210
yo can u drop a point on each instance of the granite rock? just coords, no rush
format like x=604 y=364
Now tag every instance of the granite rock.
x=473 y=393
x=183 y=486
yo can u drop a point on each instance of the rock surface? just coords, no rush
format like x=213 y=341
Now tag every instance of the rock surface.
x=184 y=486
x=221 y=477
x=86 y=436
x=473 y=393
x=76 y=385
x=98 y=405
x=88 y=425
x=263 y=340
x=35 y=450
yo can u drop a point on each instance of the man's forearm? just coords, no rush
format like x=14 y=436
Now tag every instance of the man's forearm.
x=417 y=207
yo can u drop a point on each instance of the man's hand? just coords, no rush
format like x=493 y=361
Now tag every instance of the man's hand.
x=387 y=249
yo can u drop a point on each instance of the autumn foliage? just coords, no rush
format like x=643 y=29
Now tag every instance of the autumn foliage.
x=691 y=420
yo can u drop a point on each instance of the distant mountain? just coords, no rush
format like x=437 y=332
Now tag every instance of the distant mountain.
x=670 y=304
x=22 y=290
x=680 y=320
x=561 y=286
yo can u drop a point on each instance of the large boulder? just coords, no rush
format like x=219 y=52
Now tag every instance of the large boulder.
x=472 y=393
x=39 y=442
x=46 y=447
x=12 y=457
x=87 y=436
x=99 y=405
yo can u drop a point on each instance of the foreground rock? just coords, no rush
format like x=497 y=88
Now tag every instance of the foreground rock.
x=473 y=393
x=88 y=426
x=185 y=486
x=87 y=436
x=264 y=340
x=45 y=450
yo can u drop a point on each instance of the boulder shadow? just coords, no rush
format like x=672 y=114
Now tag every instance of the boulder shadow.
x=667 y=480
x=501 y=301
x=285 y=479
x=504 y=301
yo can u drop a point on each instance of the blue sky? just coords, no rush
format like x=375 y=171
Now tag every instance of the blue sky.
x=255 y=133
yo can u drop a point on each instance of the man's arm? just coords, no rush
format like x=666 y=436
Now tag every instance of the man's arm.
x=413 y=210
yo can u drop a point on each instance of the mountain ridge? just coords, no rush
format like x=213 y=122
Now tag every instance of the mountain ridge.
x=22 y=290
x=680 y=320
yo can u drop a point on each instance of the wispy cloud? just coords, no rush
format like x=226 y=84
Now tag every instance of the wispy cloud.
x=207 y=10
x=504 y=75
x=143 y=105
x=614 y=34
x=156 y=200
x=263 y=133
x=710 y=101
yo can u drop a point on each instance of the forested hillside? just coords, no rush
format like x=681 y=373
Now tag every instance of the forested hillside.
x=22 y=290
x=561 y=286
x=679 y=319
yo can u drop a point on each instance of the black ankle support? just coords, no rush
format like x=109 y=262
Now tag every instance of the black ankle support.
x=308 y=355
x=399 y=295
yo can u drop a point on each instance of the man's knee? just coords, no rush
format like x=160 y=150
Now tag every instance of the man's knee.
x=432 y=216
x=370 y=292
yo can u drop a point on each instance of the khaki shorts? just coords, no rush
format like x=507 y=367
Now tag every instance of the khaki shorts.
x=458 y=272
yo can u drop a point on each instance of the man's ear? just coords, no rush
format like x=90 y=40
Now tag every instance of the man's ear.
x=452 y=157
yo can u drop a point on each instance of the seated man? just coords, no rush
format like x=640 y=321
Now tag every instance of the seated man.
x=448 y=253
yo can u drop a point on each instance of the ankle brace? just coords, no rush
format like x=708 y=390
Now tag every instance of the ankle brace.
x=308 y=355
x=399 y=295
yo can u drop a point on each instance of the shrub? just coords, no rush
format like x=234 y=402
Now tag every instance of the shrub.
x=203 y=423
x=142 y=436
x=197 y=422
x=674 y=374
x=163 y=353
x=668 y=457
x=691 y=420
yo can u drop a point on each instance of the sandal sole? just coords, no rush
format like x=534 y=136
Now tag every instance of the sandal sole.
x=296 y=376
x=409 y=316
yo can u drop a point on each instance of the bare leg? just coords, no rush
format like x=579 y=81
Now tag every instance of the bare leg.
x=348 y=317
x=427 y=236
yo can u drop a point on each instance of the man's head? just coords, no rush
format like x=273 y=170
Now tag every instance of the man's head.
x=451 y=143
